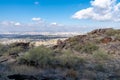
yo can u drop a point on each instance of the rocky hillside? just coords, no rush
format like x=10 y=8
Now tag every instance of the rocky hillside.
x=92 y=56
x=105 y=39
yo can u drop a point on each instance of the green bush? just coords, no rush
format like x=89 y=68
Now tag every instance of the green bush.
x=112 y=32
x=101 y=55
x=40 y=56
x=45 y=58
x=15 y=50
x=87 y=47
x=3 y=49
x=117 y=37
x=78 y=47
x=73 y=41
x=70 y=60
x=11 y=49
x=100 y=67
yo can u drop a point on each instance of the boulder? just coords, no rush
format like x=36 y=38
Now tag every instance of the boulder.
x=106 y=40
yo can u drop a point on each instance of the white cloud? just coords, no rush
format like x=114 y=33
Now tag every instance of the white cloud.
x=37 y=22
x=105 y=4
x=101 y=10
x=17 y=24
x=36 y=19
x=10 y=23
x=54 y=24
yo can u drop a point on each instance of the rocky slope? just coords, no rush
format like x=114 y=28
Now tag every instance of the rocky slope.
x=106 y=39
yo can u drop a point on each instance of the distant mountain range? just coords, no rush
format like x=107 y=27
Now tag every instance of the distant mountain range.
x=37 y=35
x=42 y=33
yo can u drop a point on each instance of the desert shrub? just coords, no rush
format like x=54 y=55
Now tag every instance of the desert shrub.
x=40 y=56
x=101 y=55
x=46 y=58
x=87 y=47
x=2 y=49
x=78 y=47
x=15 y=50
x=73 y=41
x=69 y=60
x=97 y=41
x=11 y=49
x=100 y=67
x=117 y=36
x=112 y=32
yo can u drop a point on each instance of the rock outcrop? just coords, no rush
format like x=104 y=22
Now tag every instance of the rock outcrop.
x=99 y=37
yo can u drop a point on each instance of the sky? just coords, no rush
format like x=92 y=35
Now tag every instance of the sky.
x=58 y=15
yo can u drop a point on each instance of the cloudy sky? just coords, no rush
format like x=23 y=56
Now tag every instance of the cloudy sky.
x=58 y=15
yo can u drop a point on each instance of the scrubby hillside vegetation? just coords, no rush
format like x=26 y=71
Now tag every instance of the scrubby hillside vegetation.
x=92 y=56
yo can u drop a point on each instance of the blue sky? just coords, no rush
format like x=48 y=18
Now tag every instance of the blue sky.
x=58 y=15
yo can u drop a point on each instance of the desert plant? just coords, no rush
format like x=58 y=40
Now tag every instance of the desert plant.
x=69 y=60
x=87 y=47
x=2 y=49
x=101 y=55
x=73 y=41
x=117 y=36
x=15 y=50
x=46 y=58
x=112 y=32
x=100 y=67
x=40 y=56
